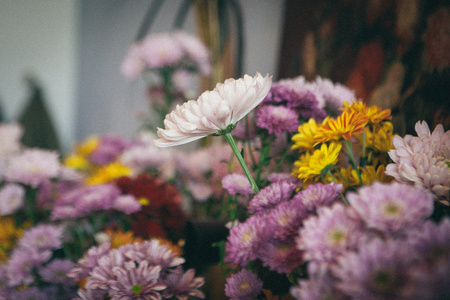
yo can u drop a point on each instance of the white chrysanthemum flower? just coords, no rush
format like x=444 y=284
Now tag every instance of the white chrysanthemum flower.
x=214 y=110
x=423 y=160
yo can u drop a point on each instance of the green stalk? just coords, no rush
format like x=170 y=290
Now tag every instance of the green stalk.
x=238 y=154
x=352 y=159
x=363 y=156
x=334 y=180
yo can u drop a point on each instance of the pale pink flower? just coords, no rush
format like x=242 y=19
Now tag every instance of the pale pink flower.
x=10 y=135
x=214 y=110
x=423 y=160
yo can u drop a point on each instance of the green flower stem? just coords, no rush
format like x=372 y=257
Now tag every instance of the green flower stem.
x=363 y=156
x=263 y=156
x=334 y=180
x=352 y=159
x=238 y=154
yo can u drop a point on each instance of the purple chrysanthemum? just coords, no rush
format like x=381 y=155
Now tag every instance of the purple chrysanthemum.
x=22 y=262
x=244 y=285
x=280 y=256
x=245 y=240
x=102 y=274
x=33 y=166
x=271 y=195
x=317 y=195
x=109 y=148
x=332 y=233
x=277 y=177
x=89 y=261
x=87 y=294
x=237 y=184
x=56 y=271
x=183 y=284
x=11 y=198
x=136 y=282
x=277 y=119
x=155 y=253
x=379 y=270
x=334 y=94
x=42 y=237
x=32 y=293
x=393 y=207
x=127 y=204
x=285 y=219
x=320 y=288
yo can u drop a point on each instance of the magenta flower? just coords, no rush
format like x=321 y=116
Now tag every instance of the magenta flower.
x=12 y=198
x=33 y=166
x=213 y=111
x=281 y=256
x=285 y=219
x=318 y=195
x=244 y=285
x=277 y=119
x=423 y=160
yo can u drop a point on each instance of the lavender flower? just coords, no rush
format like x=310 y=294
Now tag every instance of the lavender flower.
x=11 y=198
x=109 y=149
x=244 y=240
x=136 y=282
x=271 y=195
x=237 y=184
x=56 y=271
x=32 y=293
x=10 y=135
x=334 y=94
x=127 y=204
x=42 y=237
x=285 y=219
x=315 y=289
x=318 y=195
x=182 y=285
x=89 y=261
x=377 y=271
x=155 y=253
x=103 y=272
x=277 y=177
x=22 y=262
x=329 y=235
x=280 y=256
x=277 y=119
x=244 y=285
x=33 y=166
x=391 y=208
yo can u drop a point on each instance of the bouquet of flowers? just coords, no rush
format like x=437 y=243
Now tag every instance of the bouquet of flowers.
x=335 y=205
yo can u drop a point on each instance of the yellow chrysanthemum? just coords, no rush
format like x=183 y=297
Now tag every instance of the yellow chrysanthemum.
x=344 y=126
x=109 y=173
x=304 y=139
x=87 y=146
x=9 y=234
x=374 y=113
x=311 y=166
x=119 y=238
x=370 y=174
x=379 y=138
x=76 y=161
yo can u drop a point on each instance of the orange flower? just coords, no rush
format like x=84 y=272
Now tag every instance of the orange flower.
x=344 y=126
x=374 y=113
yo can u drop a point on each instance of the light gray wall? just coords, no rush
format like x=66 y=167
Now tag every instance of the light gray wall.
x=76 y=47
x=40 y=38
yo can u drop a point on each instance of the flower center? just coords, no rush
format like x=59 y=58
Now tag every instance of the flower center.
x=244 y=286
x=246 y=237
x=136 y=289
x=392 y=209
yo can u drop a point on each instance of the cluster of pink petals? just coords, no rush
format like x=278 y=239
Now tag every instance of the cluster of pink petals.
x=423 y=160
x=214 y=110
x=166 y=50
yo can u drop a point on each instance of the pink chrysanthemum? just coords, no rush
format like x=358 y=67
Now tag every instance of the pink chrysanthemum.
x=33 y=166
x=285 y=219
x=183 y=284
x=10 y=135
x=392 y=208
x=271 y=195
x=136 y=282
x=245 y=240
x=155 y=253
x=12 y=198
x=127 y=204
x=237 y=184
x=277 y=119
x=22 y=262
x=330 y=234
x=244 y=285
x=102 y=274
x=318 y=195
x=319 y=288
x=42 y=237
x=423 y=160
x=89 y=261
